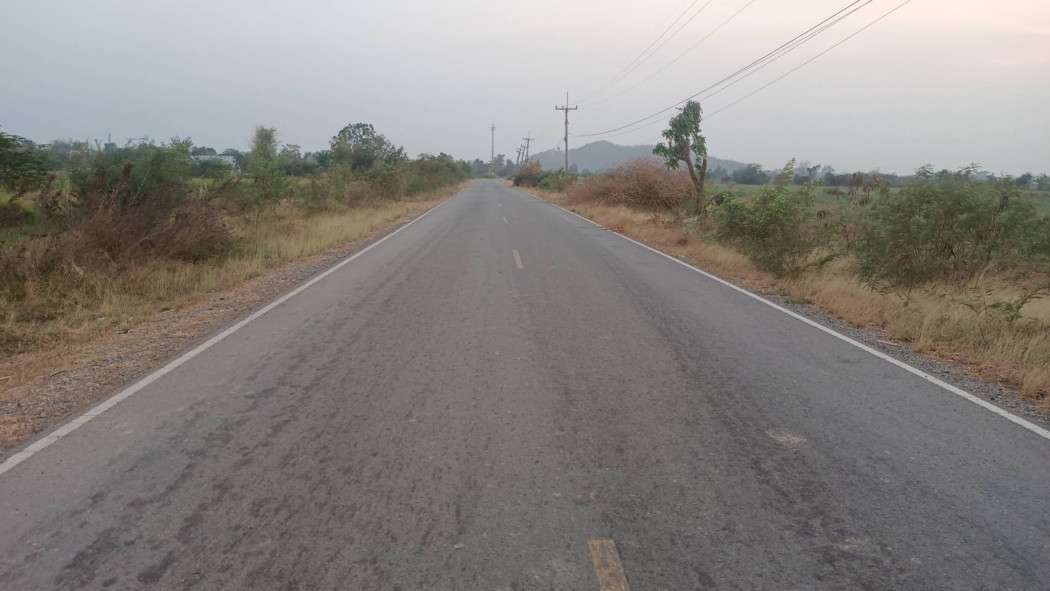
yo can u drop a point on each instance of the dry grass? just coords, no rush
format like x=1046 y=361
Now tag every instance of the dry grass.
x=935 y=322
x=286 y=236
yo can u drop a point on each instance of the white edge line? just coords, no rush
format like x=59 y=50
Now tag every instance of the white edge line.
x=42 y=443
x=954 y=390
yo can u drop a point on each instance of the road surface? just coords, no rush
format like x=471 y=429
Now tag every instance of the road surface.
x=471 y=402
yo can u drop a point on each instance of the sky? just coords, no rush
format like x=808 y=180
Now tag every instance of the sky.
x=945 y=82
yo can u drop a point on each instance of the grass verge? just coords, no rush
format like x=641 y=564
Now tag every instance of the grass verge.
x=122 y=328
x=941 y=322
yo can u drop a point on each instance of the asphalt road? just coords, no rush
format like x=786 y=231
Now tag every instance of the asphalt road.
x=442 y=413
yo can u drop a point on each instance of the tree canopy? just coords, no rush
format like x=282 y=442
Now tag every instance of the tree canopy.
x=359 y=146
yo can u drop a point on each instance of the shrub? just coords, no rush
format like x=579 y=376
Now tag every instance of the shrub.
x=386 y=180
x=949 y=227
x=529 y=175
x=642 y=183
x=778 y=231
x=23 y=166
x=428 y=173
x=13 y=215
x=557 y=181
x=131 y=175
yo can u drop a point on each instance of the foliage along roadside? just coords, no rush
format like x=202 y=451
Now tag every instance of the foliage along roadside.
x=116 y=220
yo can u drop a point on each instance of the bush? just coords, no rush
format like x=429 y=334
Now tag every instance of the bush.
x=949 y=227
x=557 y=181
x=529 y=175
x=386 y=180
x=109 y=240
x=428 y=173
x=13 y=215
x=643 y=183
x=778 y=231
x=131 y=175
x=23 y=166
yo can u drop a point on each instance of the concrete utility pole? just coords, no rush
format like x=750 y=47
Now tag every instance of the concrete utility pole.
x=492 y=162
x=527 y=139
x=521 y=151
x=566 y=108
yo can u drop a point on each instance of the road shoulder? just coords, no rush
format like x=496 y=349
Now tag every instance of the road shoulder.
x=960 y=375
x=66 y=382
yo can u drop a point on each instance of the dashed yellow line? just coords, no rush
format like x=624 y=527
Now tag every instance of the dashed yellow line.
x=607 y=566
x=517 y=259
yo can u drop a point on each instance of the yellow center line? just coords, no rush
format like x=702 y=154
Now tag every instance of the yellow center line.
x=607 y=566
x=517 y=259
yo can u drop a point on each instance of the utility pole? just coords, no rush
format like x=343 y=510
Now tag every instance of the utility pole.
x=492 y=162
x=520 y=150
x=527 y=139
x=566 y=108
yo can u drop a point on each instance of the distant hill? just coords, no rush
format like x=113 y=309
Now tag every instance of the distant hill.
x=602 y=155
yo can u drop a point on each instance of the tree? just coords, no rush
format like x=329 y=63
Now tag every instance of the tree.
x=269 y=182
x=752 y=174
x=1042 y=182
x=23 y=166
x=359 y=146
x=683 y=140
x=720 y=175
x=1024 y=181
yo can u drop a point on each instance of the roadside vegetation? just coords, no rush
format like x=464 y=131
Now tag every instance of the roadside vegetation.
x=953 y=263
x=97 y=238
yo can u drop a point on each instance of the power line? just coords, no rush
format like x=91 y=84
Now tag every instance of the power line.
x=623 y=72
x=786 y=74
x=759 y=63
x=665 y=41
x=680 y=56
x=770 y=62
x=798 y=67
x=788 y=45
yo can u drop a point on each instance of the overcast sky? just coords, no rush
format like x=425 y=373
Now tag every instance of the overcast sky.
x=947 y=82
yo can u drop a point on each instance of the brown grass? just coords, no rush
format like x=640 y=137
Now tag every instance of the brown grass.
x=642 y=184
x=934 y=322
x=107 y=307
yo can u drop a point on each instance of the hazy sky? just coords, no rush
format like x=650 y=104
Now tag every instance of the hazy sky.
x=942 y=81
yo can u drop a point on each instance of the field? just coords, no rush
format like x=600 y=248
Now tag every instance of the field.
x=997 y=325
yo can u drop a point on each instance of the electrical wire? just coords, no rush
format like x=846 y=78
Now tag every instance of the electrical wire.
x=786 y=74
x=773 y=55
x=665 y=41
x=642 y=56
x=680 y=56
x=800 y=66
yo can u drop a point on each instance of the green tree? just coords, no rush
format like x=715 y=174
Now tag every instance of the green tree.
x=23 y=166
x=752 y=174
x=359 y=146
x=683 y=140
x=262 y=167
x=1042 y=182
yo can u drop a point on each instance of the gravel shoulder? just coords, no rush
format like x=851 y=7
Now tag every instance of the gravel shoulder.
x=75 y=378
x=956 y=374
